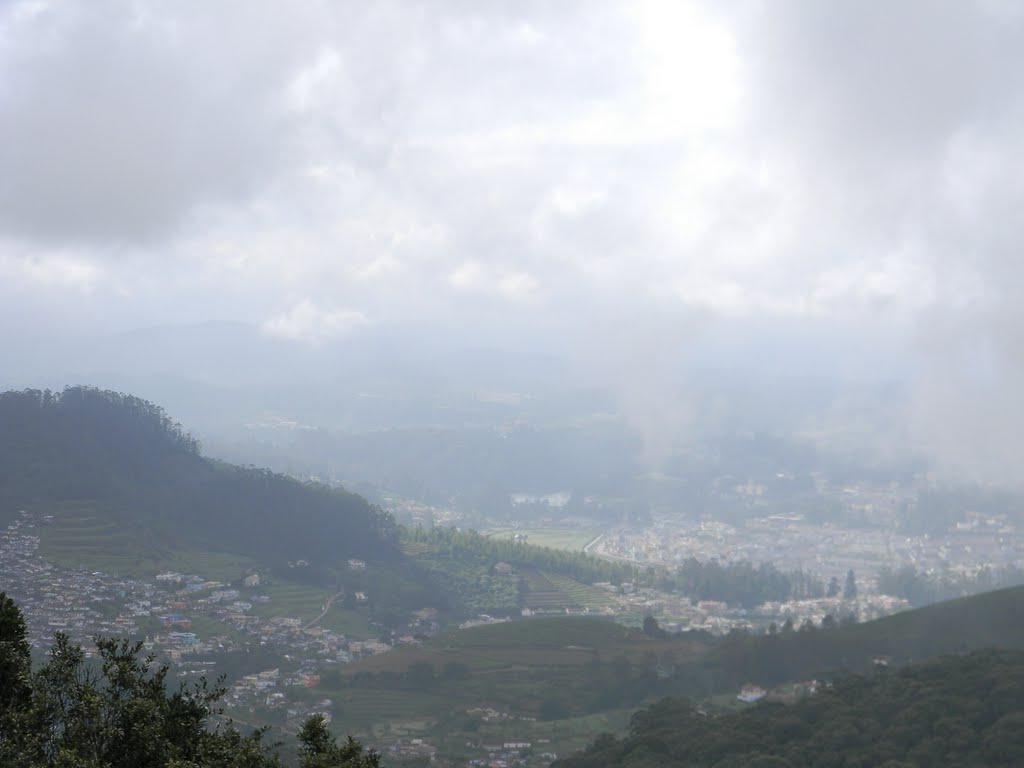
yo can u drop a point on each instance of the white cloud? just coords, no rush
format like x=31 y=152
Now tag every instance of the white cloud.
x=307 y=322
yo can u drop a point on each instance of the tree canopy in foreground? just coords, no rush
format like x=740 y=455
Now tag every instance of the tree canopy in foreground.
x=118 y=713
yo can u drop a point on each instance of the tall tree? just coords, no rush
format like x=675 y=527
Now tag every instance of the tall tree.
x=850 y=588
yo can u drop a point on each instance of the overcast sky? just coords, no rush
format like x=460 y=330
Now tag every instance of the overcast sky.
x=321 y=169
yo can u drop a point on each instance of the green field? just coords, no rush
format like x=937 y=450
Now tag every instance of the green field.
x=574 y=539
x=580 y=594
x=516 y=668
x=350 y=623
x=83 y=536
x=298 y=601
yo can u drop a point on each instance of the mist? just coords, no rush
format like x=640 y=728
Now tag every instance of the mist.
x=692 y=221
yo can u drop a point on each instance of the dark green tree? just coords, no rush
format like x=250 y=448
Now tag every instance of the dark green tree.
x=850 y=588
x=319 y=749
x=833 y=587
x=118 y=713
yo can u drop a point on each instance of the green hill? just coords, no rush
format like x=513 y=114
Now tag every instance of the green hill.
x=557 y=680
x=953 y=711
x=568 y=678
x=123 y=480
x=992 y=619
x=123 y=489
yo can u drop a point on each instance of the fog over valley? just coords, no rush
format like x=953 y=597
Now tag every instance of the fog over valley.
x=470 y=377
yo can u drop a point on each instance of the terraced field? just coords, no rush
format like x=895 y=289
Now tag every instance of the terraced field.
x=543 y=594
x=573 y=539
x=514 y=668
x=81 y=536
x=365 y=708
x=579 y=593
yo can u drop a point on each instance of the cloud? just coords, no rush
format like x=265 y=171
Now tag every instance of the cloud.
x=527 y=171
x=120 y=120
x=309 y=323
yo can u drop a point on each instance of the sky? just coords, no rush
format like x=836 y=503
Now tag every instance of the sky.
x=628 y=177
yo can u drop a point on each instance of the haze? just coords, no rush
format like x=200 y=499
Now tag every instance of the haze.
x=791 y=217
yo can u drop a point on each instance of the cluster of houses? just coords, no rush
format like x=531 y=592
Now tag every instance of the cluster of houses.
x=791 y=541
x=269 y=689
x=511 y=754
x=84 y=604
x=79 y=604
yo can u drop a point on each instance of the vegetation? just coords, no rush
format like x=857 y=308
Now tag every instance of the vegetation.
x=925 y=588
x=953 y=711
x=740 y=583
x=994 y=619
x=119 y=714
x=124 y=490
x=573 y=539
x=578 y=670
x=125 y=462
x=464 y=558
x=470 y=546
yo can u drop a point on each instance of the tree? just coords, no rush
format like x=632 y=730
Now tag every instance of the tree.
x=421 y=675
x=318 y=748
x=833 y=587
x=119 y=714
x=15 y=657
x=850 y=588
x=455 y=670
x=652 y=628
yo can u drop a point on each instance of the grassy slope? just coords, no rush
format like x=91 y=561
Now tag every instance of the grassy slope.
x=992 y=619
x=83 y=535
x=514 y=666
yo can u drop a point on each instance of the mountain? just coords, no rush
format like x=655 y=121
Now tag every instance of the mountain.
x=991 y=619
x=952 y=711
x=937 y=710
x=563 y=681
x=120 y=463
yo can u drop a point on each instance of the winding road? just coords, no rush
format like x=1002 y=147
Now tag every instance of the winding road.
x=327 y=607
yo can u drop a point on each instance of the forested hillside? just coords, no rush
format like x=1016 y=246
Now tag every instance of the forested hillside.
x=953 y=711
x=125 y=458
x=994 y=619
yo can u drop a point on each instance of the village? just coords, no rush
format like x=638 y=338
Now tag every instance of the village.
x=275 y=661
x=164 y=613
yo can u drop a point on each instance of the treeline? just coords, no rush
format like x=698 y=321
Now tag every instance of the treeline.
x=993 y=619
x=741 y=583
x=953 y=711
x=922 y=588
x=57 y=444
x=470 y=546
x=125 y=459
x=118 y=713
x=937 y=510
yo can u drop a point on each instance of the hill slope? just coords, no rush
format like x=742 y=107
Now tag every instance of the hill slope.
x=992 y=619
x=950 y=711
x=134 y=471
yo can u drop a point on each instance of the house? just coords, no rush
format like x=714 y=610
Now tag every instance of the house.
x=253 y=580
x=751 y=693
